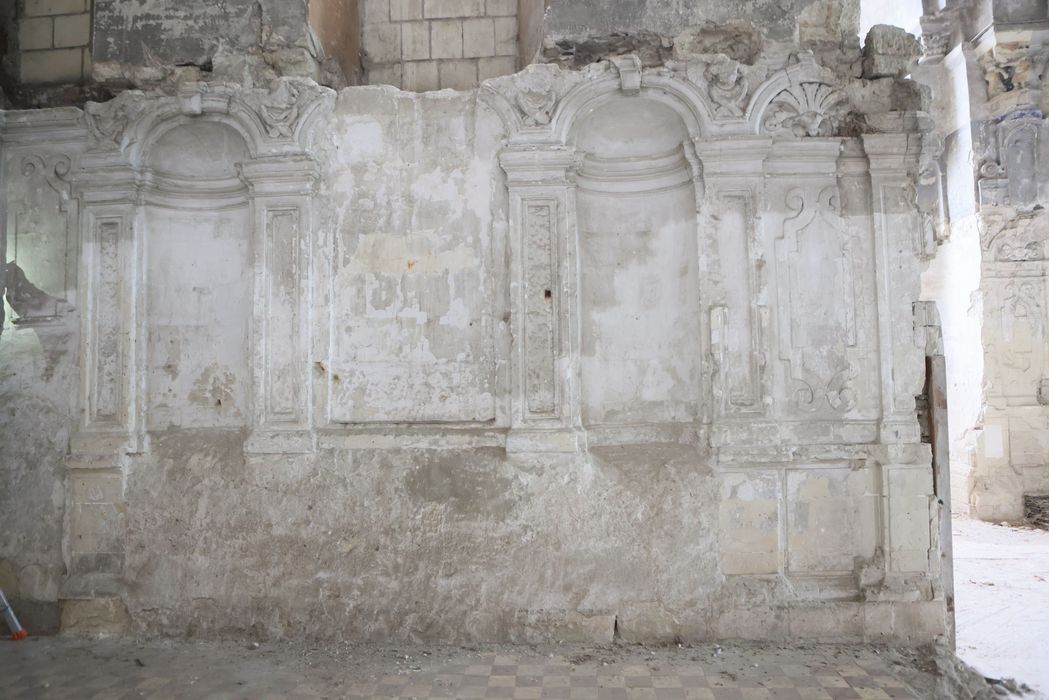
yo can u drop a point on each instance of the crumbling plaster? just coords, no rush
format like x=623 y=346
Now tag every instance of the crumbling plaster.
x=245 y=41
x=442 y=425
x=780 y=19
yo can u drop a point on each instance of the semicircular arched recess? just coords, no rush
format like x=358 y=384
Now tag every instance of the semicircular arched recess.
x=636 y=208
x=198 y=278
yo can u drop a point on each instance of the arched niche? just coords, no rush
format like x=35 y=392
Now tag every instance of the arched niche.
x=198 y=278
x=639 y=299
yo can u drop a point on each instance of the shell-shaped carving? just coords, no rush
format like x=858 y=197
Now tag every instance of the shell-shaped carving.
x=805 y=109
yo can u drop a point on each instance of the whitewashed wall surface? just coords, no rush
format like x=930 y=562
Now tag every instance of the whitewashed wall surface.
x=616 y=351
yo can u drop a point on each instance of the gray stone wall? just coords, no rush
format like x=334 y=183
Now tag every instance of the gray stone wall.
x=779 y=20
x=146 y=41
x=54 y=38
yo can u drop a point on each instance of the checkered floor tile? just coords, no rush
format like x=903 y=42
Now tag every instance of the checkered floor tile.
x=67 y=668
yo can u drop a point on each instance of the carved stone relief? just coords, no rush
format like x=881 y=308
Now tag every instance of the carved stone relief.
x=816 y=302
x=806 y=109
x=728 y=83
x=109 y=121
x=109 y=401
x=41 y=245
x=540 y=310
x=1017 y=344
x=1009 y=173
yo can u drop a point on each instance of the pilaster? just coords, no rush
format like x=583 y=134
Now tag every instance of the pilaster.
x=899 y=245
x=544 y=301
x=281 y=203
x=111 y=425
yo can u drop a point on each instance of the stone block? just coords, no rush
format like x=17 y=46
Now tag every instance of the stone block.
x=421 y=76
x=458 y=75
x=888 y=52
x=437 y=9
x=505 y=36
x=97 y=488
x=382 y=43
x=405 y=10
x=73 y=30
x=877 y=620
x=375 y=12
x=495 y=67
x=52 y=66
x=95 y=617
x=826 y=621
x=755 y=622
x=35 y=33
x=501 y=8
x=647 y=622
x=446 y=38
x=37 y=8
x=415 y=41
x=919 y=621
x=748 y=518
x=388 y=74
x=478 y=38
x=545 y=626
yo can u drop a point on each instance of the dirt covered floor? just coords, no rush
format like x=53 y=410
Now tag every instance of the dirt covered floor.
x=57 y=667
x=1001 y=579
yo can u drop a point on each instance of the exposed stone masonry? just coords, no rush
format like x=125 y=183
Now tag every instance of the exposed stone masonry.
x=433 y=44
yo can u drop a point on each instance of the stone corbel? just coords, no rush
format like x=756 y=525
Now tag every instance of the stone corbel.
x=281 y=192
x=629 y=68
x=545 y=414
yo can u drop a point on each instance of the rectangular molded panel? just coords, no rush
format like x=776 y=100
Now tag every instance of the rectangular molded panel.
x=198 y=318
x=540 y=275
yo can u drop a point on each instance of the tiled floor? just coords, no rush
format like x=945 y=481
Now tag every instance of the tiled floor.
x=66 y=668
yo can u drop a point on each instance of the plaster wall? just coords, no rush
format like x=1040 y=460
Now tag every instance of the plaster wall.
x=369 y=365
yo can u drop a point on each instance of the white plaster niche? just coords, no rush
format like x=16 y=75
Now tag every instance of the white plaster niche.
x=640 y=332
x=198 y=279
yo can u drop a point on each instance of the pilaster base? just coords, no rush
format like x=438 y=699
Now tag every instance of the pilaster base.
x=559 y=440
x=265 y=441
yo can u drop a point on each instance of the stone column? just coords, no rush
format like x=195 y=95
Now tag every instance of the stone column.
x=111 y=425
x=544 y=301
x=281 y=192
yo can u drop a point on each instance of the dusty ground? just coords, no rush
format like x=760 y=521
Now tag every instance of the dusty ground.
x=1001 y=577
x=56 y=667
